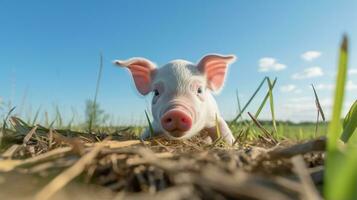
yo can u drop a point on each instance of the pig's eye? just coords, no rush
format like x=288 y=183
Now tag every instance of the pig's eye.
x=156 y=93
x=199 y=90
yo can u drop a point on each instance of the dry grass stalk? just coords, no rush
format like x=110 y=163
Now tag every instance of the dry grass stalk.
x=159 y=168
x=10 y=151
x=267 y=136
x=29 y=135
x=310 y=192
x=61 y=180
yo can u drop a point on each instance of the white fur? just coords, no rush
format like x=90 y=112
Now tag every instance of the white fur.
x=177 y=78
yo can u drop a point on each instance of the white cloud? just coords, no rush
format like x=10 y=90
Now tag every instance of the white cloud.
x=288 y=88
x=351 y=85
x=301 y=99
x=326 y=102
x=323 y=86
x=308 y=73
x=266 y=62
x=307 y=103
x=298 y=91
x=310 y=55
x=303 y=108
x=352 y=71
x=279 y=66
x=270 y=64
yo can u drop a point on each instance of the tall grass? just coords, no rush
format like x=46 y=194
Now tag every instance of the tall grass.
x=341 y=162
x=151 y=129
x=249 y=101
x=244 y=133
x=94 y=111
x=271 y=100
x=335 y=125
x=349 y=123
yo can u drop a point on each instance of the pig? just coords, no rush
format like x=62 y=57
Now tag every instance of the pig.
x=183 y=104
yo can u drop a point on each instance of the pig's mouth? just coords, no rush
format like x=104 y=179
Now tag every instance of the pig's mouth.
x=177 y=120
x=177 y=133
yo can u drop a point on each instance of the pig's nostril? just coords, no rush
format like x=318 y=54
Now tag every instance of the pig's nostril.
x=176 y=120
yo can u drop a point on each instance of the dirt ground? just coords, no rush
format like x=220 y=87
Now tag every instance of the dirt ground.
x=40 y=163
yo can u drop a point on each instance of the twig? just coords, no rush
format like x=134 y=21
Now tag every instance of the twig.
x=313 y=145
x=65 y=177
x=8 y=165
x=243 y=185
x=308 y=186
x=10 y=151
x=239 y=135
x=268 y=137
x=29 y=135
x=173 y=193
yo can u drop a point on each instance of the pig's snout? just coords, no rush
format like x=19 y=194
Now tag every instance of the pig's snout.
x=176 y=122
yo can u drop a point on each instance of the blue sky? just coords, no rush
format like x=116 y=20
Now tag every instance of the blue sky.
x=49 y=51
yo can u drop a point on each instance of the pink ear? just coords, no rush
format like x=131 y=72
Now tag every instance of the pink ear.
x=215 y=69
x=142 y=71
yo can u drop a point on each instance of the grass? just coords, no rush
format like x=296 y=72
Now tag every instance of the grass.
x=349 y=123
x=94 y=112
x=335 y=125
x=151 y=129
x=271 y=100
x=249 y=101
x=341 y=163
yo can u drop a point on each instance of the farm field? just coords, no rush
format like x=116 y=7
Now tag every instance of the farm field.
x=112 y=162
x=268 y=159
x=256 y=100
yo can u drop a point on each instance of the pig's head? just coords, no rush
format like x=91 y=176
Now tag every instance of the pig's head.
x=181 y=90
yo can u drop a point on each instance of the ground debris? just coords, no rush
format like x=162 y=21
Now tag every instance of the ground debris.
x=162 y=169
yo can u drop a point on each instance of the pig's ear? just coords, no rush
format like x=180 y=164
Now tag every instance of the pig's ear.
x=215 y=67
x=142 y=71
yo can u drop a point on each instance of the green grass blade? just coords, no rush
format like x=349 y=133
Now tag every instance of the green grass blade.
x=345 y=181
x=264 y=100
x=150 y=125
x=52 y=123
x=59 y=119
x=335 y=125
x=47 y=123
x=260 y=107
x=93 y=116
x=4 y=126
x=239 y=106
x=333 y=161
x=36 y=116
x=271 y=100
x=349 y=123
x=249 y=101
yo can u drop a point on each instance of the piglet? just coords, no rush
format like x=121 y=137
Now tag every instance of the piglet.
x=182 y=104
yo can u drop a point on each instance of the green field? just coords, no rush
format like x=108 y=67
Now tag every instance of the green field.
x=269 y=160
